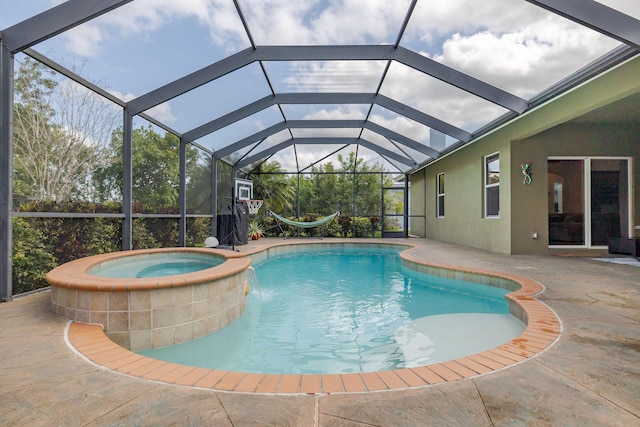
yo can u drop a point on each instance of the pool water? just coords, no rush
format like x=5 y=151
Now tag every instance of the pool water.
x=155 y=265
x=350 y=311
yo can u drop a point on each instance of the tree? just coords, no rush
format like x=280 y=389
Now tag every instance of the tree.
x=272 y=185
x=328 y=188
x=155 y=164
x=325 y=190
x=365 y=182
x=60 y=131
x=199 y=185
x=307 y=193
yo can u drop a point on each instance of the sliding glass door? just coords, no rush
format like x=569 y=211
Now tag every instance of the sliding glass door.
x=566 y=202
x=588 y=200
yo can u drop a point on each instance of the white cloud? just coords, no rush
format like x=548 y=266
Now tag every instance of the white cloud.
x=433 y=20
x=126 y=97
x=84 y=40
x=359 y=21
x=518 y=47
x=161 y=112
x=303 y=22
x=437 y=98
x=285 y=16
x=287 y=159
x=142 y=18
x=311 y=154
x=526 y=61
x=342 y=112
x=402 y=125
x=308 y=154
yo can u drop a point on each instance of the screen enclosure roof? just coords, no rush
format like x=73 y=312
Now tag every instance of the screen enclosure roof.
x=300 y=82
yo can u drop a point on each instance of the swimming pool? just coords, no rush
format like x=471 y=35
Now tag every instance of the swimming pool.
x=351 y=309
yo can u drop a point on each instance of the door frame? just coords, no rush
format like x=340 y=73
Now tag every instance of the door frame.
x=405 y=198
x=586 y=164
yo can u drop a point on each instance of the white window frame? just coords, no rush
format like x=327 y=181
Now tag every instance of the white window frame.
x=440 y=195
x=488 y=185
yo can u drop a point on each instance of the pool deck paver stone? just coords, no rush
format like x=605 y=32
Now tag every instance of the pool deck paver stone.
x=589 y=377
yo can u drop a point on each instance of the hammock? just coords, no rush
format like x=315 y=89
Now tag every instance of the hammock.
x=310 y=224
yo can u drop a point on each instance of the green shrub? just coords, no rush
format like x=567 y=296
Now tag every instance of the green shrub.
x=345 y=225
x=198 y=229
x=362 y=227
x=32 y=259
x=105 y=235
x=330 y=229
x=142 y=238
x=73 y=238
x=163 y=230
x=42 y=243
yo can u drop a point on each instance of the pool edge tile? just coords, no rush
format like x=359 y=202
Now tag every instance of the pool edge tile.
x=311 y=384
x=289 y=383
x=269 y=383
x=353 y=383
x=373 y=381
x=249 y=383
x=212 y=378
x=332 y=383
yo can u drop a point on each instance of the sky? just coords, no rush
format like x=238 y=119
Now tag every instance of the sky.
x=511 y=44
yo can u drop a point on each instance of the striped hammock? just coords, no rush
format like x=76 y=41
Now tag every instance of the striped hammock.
x=310 y=224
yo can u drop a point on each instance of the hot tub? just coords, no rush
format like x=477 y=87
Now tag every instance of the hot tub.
x=150 y=312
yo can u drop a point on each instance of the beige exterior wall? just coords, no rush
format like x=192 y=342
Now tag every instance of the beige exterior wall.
x=542 y=132
x=530 y=203
x=417 y=207
x=464 y=220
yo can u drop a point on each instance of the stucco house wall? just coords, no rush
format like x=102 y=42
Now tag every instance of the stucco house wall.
x=548 y=130
x=530 y=203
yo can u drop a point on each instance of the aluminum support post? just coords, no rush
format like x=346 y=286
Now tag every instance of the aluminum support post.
x=6 y=172
x=182 y=195
x=127 y=180
x=214 y=196
x=406 y=205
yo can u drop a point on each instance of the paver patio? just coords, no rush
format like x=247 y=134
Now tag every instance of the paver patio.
x=590 y=377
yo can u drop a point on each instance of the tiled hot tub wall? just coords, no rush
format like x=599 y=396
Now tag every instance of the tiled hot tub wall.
x=149 y=315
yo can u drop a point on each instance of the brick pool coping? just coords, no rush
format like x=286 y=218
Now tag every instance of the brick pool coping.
x=73 y=274
x=543 y=329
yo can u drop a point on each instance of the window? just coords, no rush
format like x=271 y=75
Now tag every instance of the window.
x=492 y=186
x=440 y=191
